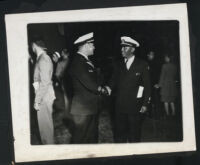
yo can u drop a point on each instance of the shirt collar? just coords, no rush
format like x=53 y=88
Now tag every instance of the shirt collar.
x=39 y=55
x=86 y=57
x=131 y=59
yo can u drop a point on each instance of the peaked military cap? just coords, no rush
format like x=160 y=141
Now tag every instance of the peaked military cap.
x=128 y=41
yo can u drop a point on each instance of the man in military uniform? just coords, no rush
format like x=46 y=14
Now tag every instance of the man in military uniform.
x=84 y=106
x=131 y=85
x=44 y=92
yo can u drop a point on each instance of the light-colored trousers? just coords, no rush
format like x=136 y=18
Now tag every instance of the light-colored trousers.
x=45 y=122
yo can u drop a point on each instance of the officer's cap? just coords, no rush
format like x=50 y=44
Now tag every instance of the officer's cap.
x=128 y=41
x=85 y=38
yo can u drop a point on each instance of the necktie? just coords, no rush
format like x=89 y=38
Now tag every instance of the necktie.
x=126 y=61
x=90 y=63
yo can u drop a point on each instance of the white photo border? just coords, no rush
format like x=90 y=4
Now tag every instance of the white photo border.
x=17 y=45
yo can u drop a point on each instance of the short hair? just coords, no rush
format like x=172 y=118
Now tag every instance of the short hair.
x=39 y=41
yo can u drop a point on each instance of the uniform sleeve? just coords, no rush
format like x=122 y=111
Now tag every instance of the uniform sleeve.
x=45 y=71
x=147 y=85
x=81 y=73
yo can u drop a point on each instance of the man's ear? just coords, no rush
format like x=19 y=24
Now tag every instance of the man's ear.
x=33 y=45
x=87 y=45
x=132 y=49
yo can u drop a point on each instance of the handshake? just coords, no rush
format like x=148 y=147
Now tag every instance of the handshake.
x=104 y=90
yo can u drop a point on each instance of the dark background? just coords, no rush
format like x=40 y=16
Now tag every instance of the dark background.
x=16 y=6
x=162 y=37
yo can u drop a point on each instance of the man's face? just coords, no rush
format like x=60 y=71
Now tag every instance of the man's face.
x=151 y=56
x=167 y=59
x=55 y=58
x=127 y=51
x=90 y=48
x=64 y=53
x=33 y=47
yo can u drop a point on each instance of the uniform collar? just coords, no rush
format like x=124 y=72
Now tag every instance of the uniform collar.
x=129 y=59
x=40 y=53
x=129 y=62
x=85 y=56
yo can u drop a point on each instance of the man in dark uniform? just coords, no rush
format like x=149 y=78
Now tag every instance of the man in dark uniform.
x=84 y=106
x=131 y=84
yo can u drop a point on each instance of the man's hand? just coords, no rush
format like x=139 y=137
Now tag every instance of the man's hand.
x=103 y=90
x=143 y=109
x=108 y=90
x=36 y=86
x=36 y=106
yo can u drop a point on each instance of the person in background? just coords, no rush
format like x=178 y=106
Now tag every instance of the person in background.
x=60 y=76
x=62 y=65
x=154 y=77
x=59 y=101
x=167 y=84
x=44 y=92
x=55 y=57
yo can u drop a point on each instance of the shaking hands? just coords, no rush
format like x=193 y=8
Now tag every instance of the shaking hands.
x=105 y=90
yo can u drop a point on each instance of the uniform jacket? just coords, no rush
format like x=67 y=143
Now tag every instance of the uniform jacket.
x=43 y=76
x=85 y=87
x=125 y=84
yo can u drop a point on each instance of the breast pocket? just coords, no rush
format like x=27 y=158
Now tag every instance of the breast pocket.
x=137 y=76
x=137 y=73
x=90 y=70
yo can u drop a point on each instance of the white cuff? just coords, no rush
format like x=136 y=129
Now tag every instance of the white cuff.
x=36 y=85
x=108 y=89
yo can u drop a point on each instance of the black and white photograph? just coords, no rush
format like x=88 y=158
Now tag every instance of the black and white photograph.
x=100 y=82
x=105 y=82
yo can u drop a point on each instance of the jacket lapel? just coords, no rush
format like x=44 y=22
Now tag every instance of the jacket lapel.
x=132 y=67
x=88 y=62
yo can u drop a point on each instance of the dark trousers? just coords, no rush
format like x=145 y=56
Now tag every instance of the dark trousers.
x=154 y=106
x=85 y=129
x=128 y=127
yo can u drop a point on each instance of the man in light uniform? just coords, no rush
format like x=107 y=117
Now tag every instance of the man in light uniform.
x=44 y=92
